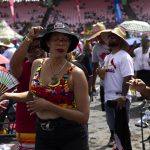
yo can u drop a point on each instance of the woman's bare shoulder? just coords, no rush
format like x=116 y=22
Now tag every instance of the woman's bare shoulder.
x=39 y=61
x=77 y=71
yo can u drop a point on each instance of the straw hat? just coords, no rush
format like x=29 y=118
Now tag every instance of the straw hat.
x=7 y=43
x=97 y=28
x=119 y=33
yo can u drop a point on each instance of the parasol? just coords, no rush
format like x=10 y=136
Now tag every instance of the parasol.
x=136 y=26
x=3 y=60
x=6 y=32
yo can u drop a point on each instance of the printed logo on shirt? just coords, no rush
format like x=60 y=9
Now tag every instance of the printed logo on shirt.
x=103 y=55
x=111 y=66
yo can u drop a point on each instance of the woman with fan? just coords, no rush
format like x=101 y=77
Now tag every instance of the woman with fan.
x=59 y=101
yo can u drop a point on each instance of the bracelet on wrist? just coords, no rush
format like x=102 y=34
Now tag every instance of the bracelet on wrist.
x=28 y=39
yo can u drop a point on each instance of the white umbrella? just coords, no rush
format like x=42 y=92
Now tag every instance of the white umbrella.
x=136 y=26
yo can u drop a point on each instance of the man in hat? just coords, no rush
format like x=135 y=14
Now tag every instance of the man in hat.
x=118 y=68
x=9 y=51
x=100 y=50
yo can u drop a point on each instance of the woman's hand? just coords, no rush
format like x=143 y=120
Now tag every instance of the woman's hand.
x=34 y=32
x=3 y=97
x=38 y=104
x=137 y=84
x=3 y=104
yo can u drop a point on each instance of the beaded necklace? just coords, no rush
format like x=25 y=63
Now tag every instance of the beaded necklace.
x=54 y=79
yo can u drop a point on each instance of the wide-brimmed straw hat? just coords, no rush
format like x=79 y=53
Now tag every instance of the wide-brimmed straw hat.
x=59 y=27
x=119 y=33
x=96 y=30
x=7 y=44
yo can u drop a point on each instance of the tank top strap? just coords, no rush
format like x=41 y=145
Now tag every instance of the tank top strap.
x=41 y=65
x=38 y=70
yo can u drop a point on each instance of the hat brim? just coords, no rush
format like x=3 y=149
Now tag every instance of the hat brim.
x=74 y=39
x=10 y=45
x=105 y=34
x=94 y=36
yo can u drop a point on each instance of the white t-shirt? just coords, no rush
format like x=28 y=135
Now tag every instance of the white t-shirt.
x=98 y=53
x=141 y=60
x=119 y=65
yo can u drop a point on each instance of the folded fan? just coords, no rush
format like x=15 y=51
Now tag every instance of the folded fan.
x=7 y=81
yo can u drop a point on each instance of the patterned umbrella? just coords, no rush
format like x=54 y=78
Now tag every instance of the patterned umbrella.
x=6 y=32
x=136 y=26
x=3 y=60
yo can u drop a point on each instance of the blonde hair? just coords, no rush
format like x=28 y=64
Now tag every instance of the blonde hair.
x=70 y=56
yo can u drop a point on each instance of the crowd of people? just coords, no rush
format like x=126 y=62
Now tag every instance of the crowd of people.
x=57 y=74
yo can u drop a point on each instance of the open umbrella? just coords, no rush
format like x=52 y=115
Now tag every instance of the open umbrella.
x=3 y=60
x=136 y=26
x=6 y=32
